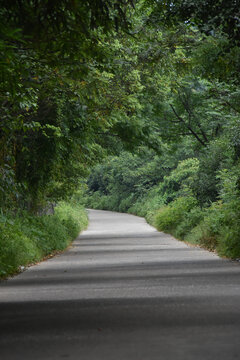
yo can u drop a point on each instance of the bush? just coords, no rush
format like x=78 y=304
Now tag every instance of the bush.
x=26 y=239
x=189 y=221
x=125 y=204
x=203 y=236
x=180 y=181
x=229 y=242
x=229 y=230
x=146 y=204
x=209 y=232
x=170 y=216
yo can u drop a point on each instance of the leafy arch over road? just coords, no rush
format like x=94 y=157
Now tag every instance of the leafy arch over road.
x=81 y=80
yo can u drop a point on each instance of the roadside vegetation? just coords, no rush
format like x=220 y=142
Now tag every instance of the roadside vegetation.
x=26 y=239
x=187 y=180
x=175 y=193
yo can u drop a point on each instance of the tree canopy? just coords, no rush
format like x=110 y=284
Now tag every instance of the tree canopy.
x=85 y=80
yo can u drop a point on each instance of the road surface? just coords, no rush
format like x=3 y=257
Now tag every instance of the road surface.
x=123 y=291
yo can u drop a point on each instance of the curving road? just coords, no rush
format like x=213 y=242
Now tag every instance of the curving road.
x=123 y=291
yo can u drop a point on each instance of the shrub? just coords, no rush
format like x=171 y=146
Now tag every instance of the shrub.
x=202 y=235
x=179 y=182
x=170 y=216
x=206 y=233
x=125 y=204
x=149 y=203
x=189 y=221
x=229 y=241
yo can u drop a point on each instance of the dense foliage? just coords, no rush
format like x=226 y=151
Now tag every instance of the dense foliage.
x=57 y=115
x=189 y=61
x=55 y=89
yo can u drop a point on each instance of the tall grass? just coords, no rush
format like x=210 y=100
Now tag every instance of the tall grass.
x=25 y=238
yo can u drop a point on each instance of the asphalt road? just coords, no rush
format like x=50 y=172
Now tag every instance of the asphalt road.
x=123 y=291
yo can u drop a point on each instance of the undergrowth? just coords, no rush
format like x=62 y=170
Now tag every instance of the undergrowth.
x=25 y=239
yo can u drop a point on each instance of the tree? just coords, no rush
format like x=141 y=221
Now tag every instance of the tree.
x=50 y=50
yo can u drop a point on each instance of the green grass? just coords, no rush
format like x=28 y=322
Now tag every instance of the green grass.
x=26 y=239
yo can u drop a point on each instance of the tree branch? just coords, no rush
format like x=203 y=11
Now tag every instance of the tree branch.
x=188 y=126
x=191 y=114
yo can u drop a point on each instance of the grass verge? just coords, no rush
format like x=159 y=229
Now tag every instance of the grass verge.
x=26 y=239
